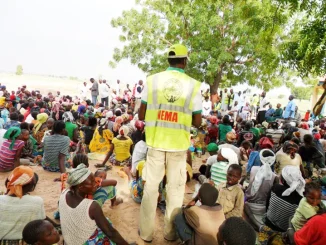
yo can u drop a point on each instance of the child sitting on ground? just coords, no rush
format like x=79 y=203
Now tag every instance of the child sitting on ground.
x=40 y=232
x=203 y=221
x=231 y=196
x=309 y=206
x=27 y=152
x=106 y=189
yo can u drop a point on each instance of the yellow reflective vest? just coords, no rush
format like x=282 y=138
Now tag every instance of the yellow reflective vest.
x=169 y=110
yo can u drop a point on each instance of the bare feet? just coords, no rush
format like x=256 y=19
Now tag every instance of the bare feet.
x=116 y=202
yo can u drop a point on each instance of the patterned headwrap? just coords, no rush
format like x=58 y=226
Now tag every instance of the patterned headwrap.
x=78 y=175
x=290 y=148
x=19 y=177
x=293 y=177
x=12 y=134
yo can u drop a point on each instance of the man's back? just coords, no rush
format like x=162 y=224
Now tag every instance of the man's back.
x=205 y=221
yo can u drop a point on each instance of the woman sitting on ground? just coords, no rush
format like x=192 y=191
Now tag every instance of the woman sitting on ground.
x=17 y=207
x=11 y=149
x=56 y=149
x=82 y=220
x=40 y=127
x=261 y=181
x=102 y=138
x=284 y=199
x=288 y=156
x=121 y=150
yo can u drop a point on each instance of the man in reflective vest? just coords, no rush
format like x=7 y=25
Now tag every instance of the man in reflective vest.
x=171 y=104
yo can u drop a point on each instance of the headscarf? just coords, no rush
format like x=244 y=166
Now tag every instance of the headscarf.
x=56 y=110
x=109 y=114
x=230 y=155
x=139 y=125
x=290 y=148
x=212 y=147
x=123 y=131
x=68 y=117
x=264 y=172
x=125 y=117
x=41 y=118
x=230 y=137
x=81 y=109
x=19 y=177
x=12 y=134
x=304 y=126
x=317 y=136
x=265 y=143
x=213 y=119
x=265 y=124
x=78 y=175
x=293 y=178
x=117 y=124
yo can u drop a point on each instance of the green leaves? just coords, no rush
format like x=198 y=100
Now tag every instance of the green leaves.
x=230 y=42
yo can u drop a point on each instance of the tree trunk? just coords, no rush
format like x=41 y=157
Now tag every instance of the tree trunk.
x=217 y=81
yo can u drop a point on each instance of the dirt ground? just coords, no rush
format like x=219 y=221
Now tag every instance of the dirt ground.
x=124 y=217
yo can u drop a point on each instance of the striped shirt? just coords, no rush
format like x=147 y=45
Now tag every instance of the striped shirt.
x=281 y=208
x=218 y=172
x=7 y=156
x=53 y=146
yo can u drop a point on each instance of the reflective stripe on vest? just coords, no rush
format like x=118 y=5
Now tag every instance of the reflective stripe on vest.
x=169 y=110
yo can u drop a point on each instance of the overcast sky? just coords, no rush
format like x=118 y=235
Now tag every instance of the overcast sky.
x=63 y=37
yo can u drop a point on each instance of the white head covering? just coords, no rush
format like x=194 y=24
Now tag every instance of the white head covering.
x=68 y=117
x=230 y=155
x=109 y=114
x=123 y=131
x=78 y=175
x=264 y=172
x=293 y=178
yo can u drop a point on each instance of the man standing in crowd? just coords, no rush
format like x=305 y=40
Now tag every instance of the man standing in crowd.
x=83 y=91
x=262 y=108
x=225 y=100
x=290 y=108
x=231 y=99
x=171 y=103
x=138 y=92
x=104 y=93
x=94 y=91
x=253 y=105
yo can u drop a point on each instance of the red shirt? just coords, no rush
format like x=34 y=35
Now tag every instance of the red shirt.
x=313 y=232
x=12 y=97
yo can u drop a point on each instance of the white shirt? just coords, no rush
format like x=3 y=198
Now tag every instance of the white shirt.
x=83 y=91
x=29 y=118
x=139 y=154
x=17 y=212
x=263 y=102
x=207 y=107
x=104 y=90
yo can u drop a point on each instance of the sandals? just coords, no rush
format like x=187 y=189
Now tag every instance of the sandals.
x=105 y=167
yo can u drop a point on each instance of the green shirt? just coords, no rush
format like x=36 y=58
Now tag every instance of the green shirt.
x=304 y=212
x=70 y=127
x=223 y=129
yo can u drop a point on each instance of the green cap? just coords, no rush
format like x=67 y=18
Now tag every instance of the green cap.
x=180 y=51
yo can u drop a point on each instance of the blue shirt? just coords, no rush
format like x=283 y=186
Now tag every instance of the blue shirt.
x=269 y=112
x=289 y=110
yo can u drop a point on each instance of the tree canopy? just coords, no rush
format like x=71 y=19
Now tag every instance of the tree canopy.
x=306 y=50
x=19 y=70
x=230 y=42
